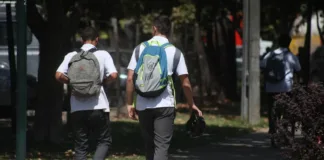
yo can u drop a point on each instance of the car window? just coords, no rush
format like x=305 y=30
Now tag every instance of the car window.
x=4 y=35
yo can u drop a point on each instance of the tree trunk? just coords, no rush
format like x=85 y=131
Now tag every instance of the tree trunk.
x=230 y=74
x=213 y=58
x=54 y=36
x=50 y=98
x=220 y=49
x=223 y=44
x=307 y=45
x=138 y=34
x=203 y=65
x=120 y=101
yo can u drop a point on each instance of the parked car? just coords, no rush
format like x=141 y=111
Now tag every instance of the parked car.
x=5 y=91
x=32 y=61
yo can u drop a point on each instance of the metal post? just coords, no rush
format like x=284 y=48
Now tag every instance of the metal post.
x=138 y=34
x=114 y=23
x=254 y=58
x=12 y=63
x=244 y=88
x=22 y=80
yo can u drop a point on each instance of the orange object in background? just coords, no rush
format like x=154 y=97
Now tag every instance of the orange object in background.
x=238 y=39
x=299 y=41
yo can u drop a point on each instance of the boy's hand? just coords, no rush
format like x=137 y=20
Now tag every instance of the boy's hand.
x=195 y=108
x=131 y=112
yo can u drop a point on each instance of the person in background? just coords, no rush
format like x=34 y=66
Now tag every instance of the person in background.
x=278 y=67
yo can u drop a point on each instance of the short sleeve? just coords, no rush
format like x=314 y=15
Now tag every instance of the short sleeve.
x=294 y=61
x=132 y=63
x=63 y=68
x=109 y=65
x=182 y=67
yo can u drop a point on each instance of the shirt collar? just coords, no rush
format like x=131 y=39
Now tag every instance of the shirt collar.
x=160 y=38
x=280 y=50
x=87 y=46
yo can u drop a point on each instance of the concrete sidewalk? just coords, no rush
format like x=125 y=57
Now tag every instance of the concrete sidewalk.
x=254 y=146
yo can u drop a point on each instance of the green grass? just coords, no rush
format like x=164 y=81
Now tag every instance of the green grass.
x=128 y=143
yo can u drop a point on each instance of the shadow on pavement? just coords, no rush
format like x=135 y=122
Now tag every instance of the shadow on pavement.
x=255 y=146
x=127 y=141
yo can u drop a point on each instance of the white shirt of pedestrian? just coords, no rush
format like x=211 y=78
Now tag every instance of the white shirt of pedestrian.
x=166 y=99
x=107 y=67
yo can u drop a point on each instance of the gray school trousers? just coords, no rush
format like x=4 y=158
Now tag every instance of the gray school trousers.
x=91 y=122
x=157 y=130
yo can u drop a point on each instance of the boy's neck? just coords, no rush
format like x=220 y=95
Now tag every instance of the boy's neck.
x=160 y=35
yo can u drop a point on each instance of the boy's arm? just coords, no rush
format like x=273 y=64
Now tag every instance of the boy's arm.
x=62 y=78
x=110 y=70
x=130 y=87
x=112 y=77
x=188 y=93
x=182 y=71
x=62 y=70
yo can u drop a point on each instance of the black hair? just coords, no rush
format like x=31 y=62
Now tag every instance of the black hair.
x=284 y=40
x=89 y=34
x=162 y=24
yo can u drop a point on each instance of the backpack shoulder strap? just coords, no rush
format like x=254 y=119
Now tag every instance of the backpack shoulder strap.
x=166 y=45
x=146 y=44
x=78 y=51
x=92 y=50
x=137 y=49
x=264 y=54
x=176 y=59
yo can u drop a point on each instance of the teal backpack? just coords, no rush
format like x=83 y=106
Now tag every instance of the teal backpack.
x=151 y=72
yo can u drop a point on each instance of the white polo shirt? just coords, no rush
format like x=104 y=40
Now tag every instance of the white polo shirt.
x=107 y=67
x=166 y=99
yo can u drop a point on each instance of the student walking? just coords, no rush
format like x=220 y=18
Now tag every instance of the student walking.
x=278 y=68
x=86 y=71
x=149 y=74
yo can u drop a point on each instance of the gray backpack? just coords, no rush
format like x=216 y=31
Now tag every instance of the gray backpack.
x=84 y=75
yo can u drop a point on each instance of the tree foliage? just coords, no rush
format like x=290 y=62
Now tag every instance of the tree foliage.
x=146 y=21
x=183 y=14
x=304 y=106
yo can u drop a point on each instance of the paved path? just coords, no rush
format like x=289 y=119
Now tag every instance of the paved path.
x=255 y=146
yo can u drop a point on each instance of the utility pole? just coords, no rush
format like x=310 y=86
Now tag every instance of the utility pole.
x=250 y=96
x=244 y=88
x=254 y=58
x=22 y=80
x=114 y=23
